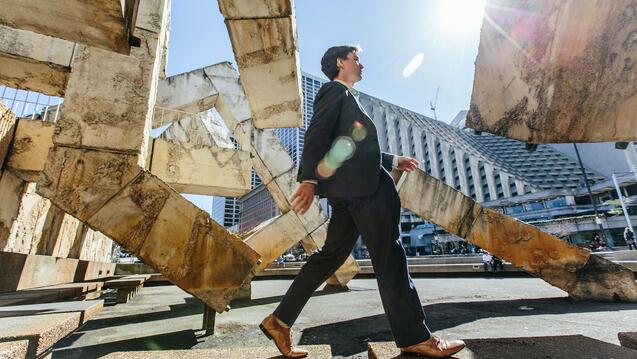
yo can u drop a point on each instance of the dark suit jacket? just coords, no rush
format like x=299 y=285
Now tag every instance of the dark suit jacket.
x=336 y=114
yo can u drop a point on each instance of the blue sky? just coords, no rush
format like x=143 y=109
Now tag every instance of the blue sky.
x=391 y=33
x=444 y=32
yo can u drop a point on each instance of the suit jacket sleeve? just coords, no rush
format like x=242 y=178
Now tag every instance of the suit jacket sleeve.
x=319 y=135
x=387 y=160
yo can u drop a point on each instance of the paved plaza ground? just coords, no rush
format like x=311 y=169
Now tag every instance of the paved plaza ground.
x=165 y=317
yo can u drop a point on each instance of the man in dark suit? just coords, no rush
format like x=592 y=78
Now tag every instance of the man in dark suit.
x=343 y=162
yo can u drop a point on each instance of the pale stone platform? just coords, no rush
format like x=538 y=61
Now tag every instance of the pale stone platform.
x=316 y=351
x=556 y=347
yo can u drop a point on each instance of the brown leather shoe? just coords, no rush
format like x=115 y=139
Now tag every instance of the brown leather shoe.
x=434 y=347
x=282 y=337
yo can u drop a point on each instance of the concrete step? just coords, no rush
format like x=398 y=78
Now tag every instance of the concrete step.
x=87 y=309
x=316 y=351
x=557 y=347
x=43 y=325
x=14 y=349
x=628 y=339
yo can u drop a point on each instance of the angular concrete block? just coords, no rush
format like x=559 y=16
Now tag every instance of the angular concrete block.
x=628 y=339
x=11 y=190
x=129 y=215
x=270 y=159
x=81 y=181
x=561 y=264
x=28 y=226
x=551 y=71
x=231 y=103
x=181 y=244
x=32 y=75
x=14 y=349
x=38 y=47
x=267 y=54
x=283 y=188
x=97 y=23
x=106 y=102
x=204 y=129
x=192 y=92
x=240 y=9
x=202 y=169
x=32 y=142
x=7 y=129
x=42 y=331
x=273 y=237
x=22 y=271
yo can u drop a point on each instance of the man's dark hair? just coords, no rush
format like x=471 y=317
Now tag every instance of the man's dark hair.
x=328 y=62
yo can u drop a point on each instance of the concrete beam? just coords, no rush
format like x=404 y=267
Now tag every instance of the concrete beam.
x=32 y=142
x=568 y=76
x=566 y=266
x=7 y=130
x=266 y=50
x=241 y=9
x=275 y=236
x=192 y=92
x=200 y=169
x=98 y=23
x=36 y=62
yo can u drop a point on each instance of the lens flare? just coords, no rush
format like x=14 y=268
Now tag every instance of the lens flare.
x=359 y=132
x=413 y=65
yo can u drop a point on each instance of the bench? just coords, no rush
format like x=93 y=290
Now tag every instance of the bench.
x=30 y=331
x=53 y=293
x=128 y=286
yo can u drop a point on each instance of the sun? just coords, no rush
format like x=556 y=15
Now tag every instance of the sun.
x=460 y=16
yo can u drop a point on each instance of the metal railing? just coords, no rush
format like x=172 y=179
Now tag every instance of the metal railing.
x=30 y=104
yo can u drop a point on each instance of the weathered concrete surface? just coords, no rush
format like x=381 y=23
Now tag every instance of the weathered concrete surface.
x=561 y=264
x=99 y=23
x=572 y=346
x=22 y=271
x=88 y=309
x=7 y=129
x=191 y=92
x=38 y=47
x=201 y=169
x=27 y=74
x=42 y=331
x=14 y=350
x=240 y=9
x=275 y=236
x=628 y=339
x=264 y=41
x=551 y=72
x=28 y=225
x=205 y=129
x=316 y=351
x=11 y=190
x=166 y=231
x=32 y=141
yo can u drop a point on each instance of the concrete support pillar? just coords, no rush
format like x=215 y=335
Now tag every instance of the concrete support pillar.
x=489 y=171
x=446 y=162
x=433 y=156
x=462 y=171
x=519 y=186
x=477 y=178
x=506 y=185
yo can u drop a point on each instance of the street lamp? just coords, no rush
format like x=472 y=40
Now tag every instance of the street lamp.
x=598 y=220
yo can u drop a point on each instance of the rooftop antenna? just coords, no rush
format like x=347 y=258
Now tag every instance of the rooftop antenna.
x=432 y=105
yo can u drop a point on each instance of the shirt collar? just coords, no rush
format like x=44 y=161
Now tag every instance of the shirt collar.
x=352 y=90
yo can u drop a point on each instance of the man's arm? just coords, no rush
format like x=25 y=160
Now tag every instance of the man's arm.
x=327 y=108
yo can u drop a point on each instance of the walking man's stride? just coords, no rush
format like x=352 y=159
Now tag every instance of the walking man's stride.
x=342 y=161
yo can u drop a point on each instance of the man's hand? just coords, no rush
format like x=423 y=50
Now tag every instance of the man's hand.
x=302 y=198
x=407 y=164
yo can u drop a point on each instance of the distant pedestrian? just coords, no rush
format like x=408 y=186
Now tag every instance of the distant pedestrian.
x=495 y=263
x=486 y=260
x=629 y=237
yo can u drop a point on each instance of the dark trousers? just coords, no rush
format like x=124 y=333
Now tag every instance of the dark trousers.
x=376 y=218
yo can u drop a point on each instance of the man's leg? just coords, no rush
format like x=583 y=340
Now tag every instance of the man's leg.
x=341 y=237
x=377 y=218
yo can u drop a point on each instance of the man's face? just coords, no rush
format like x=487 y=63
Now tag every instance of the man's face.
x=350 y=68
